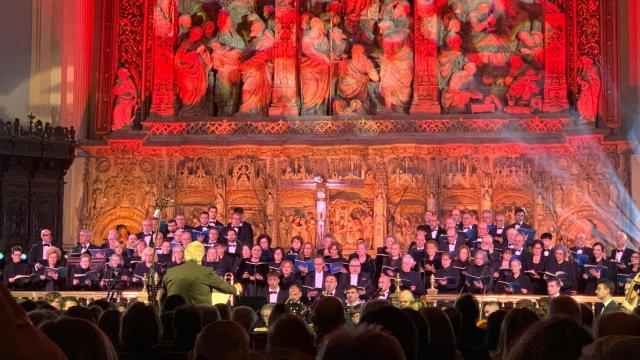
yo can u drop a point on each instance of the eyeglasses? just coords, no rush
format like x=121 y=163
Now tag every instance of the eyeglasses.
x=46 y=234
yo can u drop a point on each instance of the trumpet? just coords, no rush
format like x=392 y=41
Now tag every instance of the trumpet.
x=229 y=278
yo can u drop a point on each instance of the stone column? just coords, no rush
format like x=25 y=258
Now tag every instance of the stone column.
x=425 y=81
x=555 y=80
x=165 y=19
x=285 y=69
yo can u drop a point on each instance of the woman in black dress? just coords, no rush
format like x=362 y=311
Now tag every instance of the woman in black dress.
x=480 y=275
x=534 y=265
x=559 y=267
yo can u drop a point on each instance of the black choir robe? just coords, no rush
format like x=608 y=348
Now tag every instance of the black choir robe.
x=538 y=285
x=522 y=279
x=453 y=280
x=410 y=278
x=77 y=270
x=568 y=280
x=475 y=270
x=590 y=283
x=49 y=284
x=12 y=270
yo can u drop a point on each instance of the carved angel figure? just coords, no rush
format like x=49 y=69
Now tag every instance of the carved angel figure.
x=126 y=100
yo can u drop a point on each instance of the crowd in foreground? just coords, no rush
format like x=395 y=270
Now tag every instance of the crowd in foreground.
x=59 y=327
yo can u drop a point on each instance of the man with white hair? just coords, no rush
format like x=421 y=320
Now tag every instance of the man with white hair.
x=410 y=279
x=147 y=232
x=84 y=243
x=621 y=255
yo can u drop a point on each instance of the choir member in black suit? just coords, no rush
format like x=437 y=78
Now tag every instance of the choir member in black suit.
x=453 y=242
x=534 y=266
x=393 y=262
x=435 y=230
x=621 y=254
x=499 y=229
x=82 y=277
x=520 y=222
x=456 y=216
x=52 y=276
x=14 y=269
x=486 y=217
x=252 y=273
x=580 y=246
x=468 y=230
x=410 y=279
x=213 y=236
x=264 y=241
x=314 y=280
x=84 y=243
x=330 y=289
x=447 y=278
x=172 y=226
x=274 y=293
x=147 y=233
x=598 y=268
x=384 y=288
x=204 y=222
x=516 y=282
x=38 y=252
x=181 y=223
x=560 y=268
x=479 y=276
x=362 y=280
x=242 y=228
x=234 y=246
x=142 y=268
x=213 y=218
x=367 y=265
x=547 y=248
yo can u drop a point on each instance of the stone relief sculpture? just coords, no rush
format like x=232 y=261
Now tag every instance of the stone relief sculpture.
x=315 y=66
x=191 y=74
x=396 y=69
x=257 y=67
x=126 y=100
x=354 y=76
x=590 y=84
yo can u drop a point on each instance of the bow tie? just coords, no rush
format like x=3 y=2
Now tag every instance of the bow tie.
x=46 y=245
x=273 y=292
x=619 y=251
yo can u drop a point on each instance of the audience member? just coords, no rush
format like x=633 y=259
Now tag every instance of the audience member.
x=79 y=339
x=616 y=323
x=187 y=323
x=327 y=316
x=109 y=323
x=613 y=348
x=442 y=340
x=222 y=340
x=515 y=323
x=470 y=337
x=398 y=324
x=246 y=317
x=140 y=328
x=565 y=305
x=366 y=343
x=39 y=316
x=556 y=337
x=291 y=334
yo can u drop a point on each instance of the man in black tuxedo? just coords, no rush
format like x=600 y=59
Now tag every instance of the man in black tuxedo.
x=213 y=218
x=243 y=229
x=427 y=218
x=38 y=251
x=204 y=222
x=315 y=280
x=487 y=218
x=274 y=293
x=604 y=292
x=469 y=229
x=435 y=230
x=330 y=288
x=234 y=246
x=147 y=233
x=621 y=255
x=84 y=243
x=520 y=214
x=456 y=215
x=358 y=279
x=181 y=222
x=454 y=241
x=384 y=288
x=499 y=229
x=581 y=247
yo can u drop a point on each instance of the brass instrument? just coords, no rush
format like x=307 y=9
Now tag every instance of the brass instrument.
x=632 y=294
x=229 y=278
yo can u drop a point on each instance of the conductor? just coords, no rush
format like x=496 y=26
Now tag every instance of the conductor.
x=193 y=281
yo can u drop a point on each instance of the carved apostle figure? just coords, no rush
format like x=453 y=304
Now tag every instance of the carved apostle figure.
x=396 y=69
x=257 y=70
x=353 y=78
x=431 y=203
x=126 y=101
x=191 y=75
x=226 y=49
x=450 y=60
x=457 y=96
x=315 y=69
x=589 y=83
x=486 y=201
